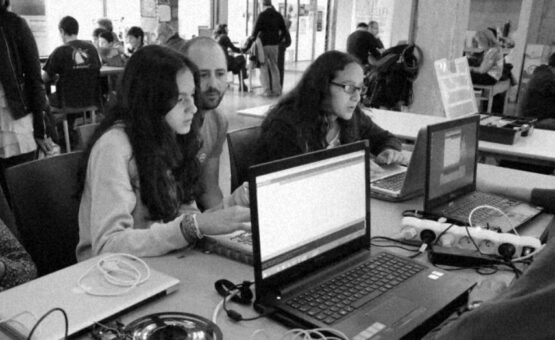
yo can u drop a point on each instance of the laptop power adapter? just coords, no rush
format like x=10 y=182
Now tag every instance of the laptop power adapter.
x=460 y=257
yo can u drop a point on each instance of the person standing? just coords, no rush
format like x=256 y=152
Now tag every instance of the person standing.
x=283 y=45
x=23 y=107
x=270 y=28
x=166 y=35
x=374 y=28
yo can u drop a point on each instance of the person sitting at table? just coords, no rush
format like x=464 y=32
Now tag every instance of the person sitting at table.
x=489 y=69
x=140 y=174
x=525 y=309
x=74 y=55
x=111 y=56
x=96 y=35
x=322 y=111
x=107 y=25
x=16 y=265
x=235 y=64
x=135 y=39
x=539 y=98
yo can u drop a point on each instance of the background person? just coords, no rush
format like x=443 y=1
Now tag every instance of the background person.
x=141 y=174
x=235 y=64
x=363 y=45
x=166 y=35
x=322 y=111
x=539 y=98
x=109 y=54
x=24 y=116
x=270 y=28
x=135 y=39
x=490 y=67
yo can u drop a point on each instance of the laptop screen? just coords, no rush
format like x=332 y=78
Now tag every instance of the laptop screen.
x=311 y=208
x=452 y=157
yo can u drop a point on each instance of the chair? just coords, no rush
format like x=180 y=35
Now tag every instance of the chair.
x=488 y=91
x=84 y=133
x=6 y=215
x=46 y=211
x=241 y=144
x=78 y=91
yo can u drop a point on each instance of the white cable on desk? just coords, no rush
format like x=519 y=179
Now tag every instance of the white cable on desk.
x=220 y=305
x=112 y=265
x=485 y=206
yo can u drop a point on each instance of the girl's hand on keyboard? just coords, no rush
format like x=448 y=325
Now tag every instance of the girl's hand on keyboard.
x=375 y=169
x=390 y=156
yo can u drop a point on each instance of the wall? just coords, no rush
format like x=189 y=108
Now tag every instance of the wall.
x=493 y=13
x=439 y=31
x=542 y=28
x=343 y=24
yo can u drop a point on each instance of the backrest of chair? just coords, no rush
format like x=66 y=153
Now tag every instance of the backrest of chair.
x=241 y=144
x=6 y=214
x=46 y=209
x=85 y=133
x=79 y=87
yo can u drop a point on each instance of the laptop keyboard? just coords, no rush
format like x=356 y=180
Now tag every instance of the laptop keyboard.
x=337 y=298
x=393 y=183
x=462 y=208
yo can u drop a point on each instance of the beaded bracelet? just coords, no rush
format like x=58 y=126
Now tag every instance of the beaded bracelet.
x=190 y=229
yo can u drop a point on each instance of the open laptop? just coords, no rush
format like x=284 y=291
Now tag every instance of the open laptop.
x=451 y=164
x=399 y=182
x=60 y=289
x=311 y=234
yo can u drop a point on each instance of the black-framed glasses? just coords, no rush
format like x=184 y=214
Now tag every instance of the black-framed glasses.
x=350 y=89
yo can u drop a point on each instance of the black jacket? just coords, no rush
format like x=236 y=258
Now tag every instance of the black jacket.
x=284 y=135
x=20 y=71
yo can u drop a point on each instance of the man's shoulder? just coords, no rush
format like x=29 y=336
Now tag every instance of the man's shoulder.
x=218 y=117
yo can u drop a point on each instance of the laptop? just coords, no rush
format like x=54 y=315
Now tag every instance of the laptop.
x=399 y=182
x=451 y=164
x=60 y=289
x=310 y=219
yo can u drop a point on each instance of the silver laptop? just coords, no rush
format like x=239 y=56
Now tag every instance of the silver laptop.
x=311 y=249
x=399 y=182
x=450 y=191
x=60 y=289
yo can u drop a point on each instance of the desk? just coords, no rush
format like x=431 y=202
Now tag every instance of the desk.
x=536 y=148
x=196 y=293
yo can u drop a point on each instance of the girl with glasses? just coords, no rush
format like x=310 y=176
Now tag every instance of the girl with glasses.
x=322 y=111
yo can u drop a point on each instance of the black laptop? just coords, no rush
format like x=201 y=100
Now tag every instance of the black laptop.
x=450 y=191
x=311 y=250
x=398 y=182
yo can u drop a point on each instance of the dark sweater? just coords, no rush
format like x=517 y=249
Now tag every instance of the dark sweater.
x=270 y=27
x=539 y=99
x=284 y=134
x=20 y=71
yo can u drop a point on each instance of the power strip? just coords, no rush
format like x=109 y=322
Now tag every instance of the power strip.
x=489 y=242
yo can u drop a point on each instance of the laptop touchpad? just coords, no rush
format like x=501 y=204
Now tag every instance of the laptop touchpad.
x=395 y=311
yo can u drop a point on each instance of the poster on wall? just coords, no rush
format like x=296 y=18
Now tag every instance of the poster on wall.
x=34 y=12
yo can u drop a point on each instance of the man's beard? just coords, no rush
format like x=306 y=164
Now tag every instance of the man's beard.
x=210 y=99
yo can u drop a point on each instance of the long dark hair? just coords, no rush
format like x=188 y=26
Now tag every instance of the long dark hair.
x=167 y=165
x=303 y=104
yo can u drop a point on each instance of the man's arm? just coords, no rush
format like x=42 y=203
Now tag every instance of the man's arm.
x=212 y=196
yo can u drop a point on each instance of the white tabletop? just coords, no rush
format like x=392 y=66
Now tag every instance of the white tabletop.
x=198 y=272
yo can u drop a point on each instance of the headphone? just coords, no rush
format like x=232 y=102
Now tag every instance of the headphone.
x=239 y=293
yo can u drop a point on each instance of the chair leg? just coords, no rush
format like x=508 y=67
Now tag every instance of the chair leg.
x=490 y=100
x=240 y=76
x=66 y=135
x=93 y=116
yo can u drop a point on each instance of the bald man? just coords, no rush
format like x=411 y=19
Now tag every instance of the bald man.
x=210 y=59
x=166 y=35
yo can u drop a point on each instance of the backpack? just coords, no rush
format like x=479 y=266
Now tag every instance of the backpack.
x=389 y=83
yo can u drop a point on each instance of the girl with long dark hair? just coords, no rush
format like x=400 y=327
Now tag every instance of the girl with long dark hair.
x=322 y=111
x=140 y=175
